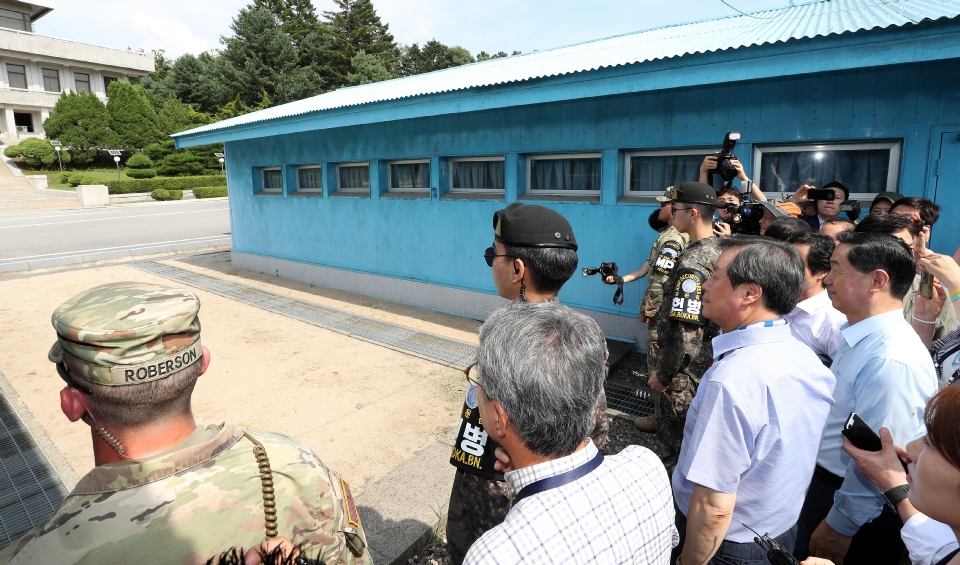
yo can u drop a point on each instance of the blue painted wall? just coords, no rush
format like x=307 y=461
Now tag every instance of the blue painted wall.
x=440 y=240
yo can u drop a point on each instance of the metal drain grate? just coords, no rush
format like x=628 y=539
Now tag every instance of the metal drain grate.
x=452 y=353
x=626 y=398
x=30 y=489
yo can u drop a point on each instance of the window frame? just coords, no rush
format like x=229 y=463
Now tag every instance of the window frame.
x=354 y=190
x=627 y=167
x=75 y=81
x=44 y=78
x=107 y=80
x=26 y=84
x=300 y=189
x=263 y=181
x=391 y=188
x=560 y=156
x=893 y=170
x=454 y=160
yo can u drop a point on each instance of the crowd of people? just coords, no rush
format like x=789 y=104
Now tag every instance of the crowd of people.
x=762 y=351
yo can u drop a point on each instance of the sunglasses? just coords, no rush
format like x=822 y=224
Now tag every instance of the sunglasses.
x=490 y=254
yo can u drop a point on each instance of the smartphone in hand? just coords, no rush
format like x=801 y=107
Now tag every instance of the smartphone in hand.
x=862 y=437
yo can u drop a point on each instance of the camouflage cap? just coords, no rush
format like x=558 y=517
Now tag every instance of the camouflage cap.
x=127 y=333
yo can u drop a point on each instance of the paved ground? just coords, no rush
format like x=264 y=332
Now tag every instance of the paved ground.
x=46 y=238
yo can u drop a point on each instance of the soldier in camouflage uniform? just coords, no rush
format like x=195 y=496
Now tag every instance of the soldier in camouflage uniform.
x=533 y=254
x=686 y=349
x=165 y=490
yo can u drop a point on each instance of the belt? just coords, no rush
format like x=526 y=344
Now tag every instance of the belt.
x=557 y=481
x=827 y=477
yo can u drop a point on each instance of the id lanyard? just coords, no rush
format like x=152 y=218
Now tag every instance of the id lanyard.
x=558 y=481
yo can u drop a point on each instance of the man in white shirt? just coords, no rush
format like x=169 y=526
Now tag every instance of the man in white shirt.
x=752 y=433
x=815 y=321
x=885 y=375
x=540 y=370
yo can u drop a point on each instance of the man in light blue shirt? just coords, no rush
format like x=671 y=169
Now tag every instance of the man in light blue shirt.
x=884 y=374
x=753 y=430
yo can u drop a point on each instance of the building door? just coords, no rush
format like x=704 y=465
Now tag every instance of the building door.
x=946 y=234
x=24 y=122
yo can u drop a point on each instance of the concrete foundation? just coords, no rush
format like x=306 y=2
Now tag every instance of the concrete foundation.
x=93 y=195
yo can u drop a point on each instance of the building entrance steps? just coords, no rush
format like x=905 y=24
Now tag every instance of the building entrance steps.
x=16 y=194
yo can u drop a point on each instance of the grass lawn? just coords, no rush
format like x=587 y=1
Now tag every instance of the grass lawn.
x=53 y=179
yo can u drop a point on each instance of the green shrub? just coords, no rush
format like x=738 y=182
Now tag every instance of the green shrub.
x=141 y=173
x=76 y=179
x=180 y=164
x=160 y=194
x=139 y=161
x=209 y=191
x=64 y=178
x=175 y=183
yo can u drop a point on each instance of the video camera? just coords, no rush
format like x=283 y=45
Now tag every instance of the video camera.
x=725 y=167
x=608 y=270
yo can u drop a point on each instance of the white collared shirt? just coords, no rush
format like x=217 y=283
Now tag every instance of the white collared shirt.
x=621 y=512
x=753 y=428
x=817 y=323
x=927 y=541
x=885 y=375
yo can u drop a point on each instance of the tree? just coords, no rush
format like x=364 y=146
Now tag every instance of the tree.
x=355 y=27
x=297 y=18
x=260 y=58
x=180 y=164
x=369 y=68
x=132 y=116
x=433 y=57
x=35 y=152
x=81 y=122
x=236 y=107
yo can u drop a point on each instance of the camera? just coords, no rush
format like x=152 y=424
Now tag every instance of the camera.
x=608 y=270
x=852 y=209
x=725 y=168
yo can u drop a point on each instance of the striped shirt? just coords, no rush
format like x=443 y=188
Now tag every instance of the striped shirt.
x=622 y=512
x=753 y=429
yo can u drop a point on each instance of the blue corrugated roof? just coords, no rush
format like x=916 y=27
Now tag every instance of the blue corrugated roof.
x=829 y=17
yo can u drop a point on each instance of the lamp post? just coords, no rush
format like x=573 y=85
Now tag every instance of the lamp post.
x=116 y=159
x=57 y=147
x=220 y=157
x=221 y=164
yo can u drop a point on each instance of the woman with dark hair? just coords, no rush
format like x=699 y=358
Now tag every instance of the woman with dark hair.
x=931 y=509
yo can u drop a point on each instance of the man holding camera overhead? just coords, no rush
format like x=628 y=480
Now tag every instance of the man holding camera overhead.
x=684 y=333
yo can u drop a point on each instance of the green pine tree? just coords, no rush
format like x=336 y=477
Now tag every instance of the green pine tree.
x=355 y=27
x=132 y=116
x=368 y=68
x=81 y=122
x=434 y=56
x=297 y=18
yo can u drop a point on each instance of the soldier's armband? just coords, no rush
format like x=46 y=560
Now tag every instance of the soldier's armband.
x=667 y=258
x=352 y=531
x=686 y=298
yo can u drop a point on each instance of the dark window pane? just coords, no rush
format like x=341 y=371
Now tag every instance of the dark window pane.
x=565 y=174
x=272 y=179
x=410 y=175
x=309 y=179
x=654 y=173
x=17 y=75
x=106 y=84
x=478 y=175
x=83 y=82
x=354 y=178
x=860 y=170
x=51 y=80
x=14 y=20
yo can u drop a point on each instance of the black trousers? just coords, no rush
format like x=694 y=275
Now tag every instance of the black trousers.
x=876 y=543
x=731 y=552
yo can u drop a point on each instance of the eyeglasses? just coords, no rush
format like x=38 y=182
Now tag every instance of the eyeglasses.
x=490 y=254
x=472 y=380
x=674 y=208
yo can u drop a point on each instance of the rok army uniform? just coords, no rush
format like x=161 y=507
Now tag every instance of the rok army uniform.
x=480 y=498
x=685 y=335
x=204 y=496
x=663 y=257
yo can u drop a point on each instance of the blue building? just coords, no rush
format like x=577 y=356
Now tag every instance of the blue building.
x=388 y=189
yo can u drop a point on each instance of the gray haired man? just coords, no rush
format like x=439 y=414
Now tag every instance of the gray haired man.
x=539 y=377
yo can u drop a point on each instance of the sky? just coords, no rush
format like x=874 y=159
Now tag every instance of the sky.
x=194 y=26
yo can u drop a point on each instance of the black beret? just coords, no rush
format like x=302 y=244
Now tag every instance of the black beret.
x=530 y=225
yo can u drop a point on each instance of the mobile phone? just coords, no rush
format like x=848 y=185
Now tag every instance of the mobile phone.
x=821 y=194
x=926 y=284
x=860 y=434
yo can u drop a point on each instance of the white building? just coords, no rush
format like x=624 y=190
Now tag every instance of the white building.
x=35 y=69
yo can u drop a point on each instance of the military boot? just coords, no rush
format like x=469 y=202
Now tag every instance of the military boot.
x=646 y=423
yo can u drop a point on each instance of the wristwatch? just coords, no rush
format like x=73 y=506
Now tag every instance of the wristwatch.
x=896 y=494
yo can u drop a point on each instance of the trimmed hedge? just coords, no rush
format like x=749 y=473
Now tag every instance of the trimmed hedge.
x=171 y=183
x=76 y=179
x=164 y=194
x=209 y=191
x=141 y=173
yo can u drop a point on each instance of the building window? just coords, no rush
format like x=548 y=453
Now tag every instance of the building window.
x=51 y=80
x=82 y=81
x=272 y=180
x=23 y=121
x=17 y=75
x=14 y=20
x=410 y=176
x=649 y=173
x=564 y=174
x=476 y=174
x=309 y=179
x=353 y=177
x=864 y=168
x=107 y=81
